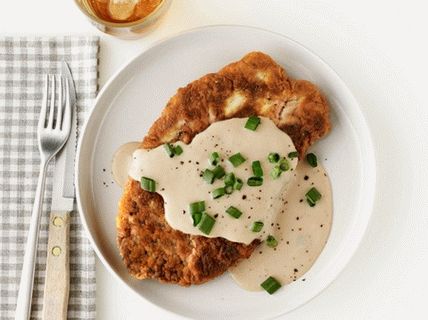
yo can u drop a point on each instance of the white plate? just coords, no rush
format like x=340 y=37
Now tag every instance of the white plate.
x=133 y=99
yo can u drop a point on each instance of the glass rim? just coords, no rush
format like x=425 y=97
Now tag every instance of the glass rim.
x=118 y=24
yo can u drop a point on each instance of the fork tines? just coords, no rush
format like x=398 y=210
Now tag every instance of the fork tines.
x=55 y=112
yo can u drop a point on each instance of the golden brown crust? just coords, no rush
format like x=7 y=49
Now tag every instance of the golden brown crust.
x=253 y=85
x=296 y=106
x=152 y=249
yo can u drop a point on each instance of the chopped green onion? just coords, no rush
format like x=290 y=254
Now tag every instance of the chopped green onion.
x=275 y=172
x=257 y=168
x=236 y=159
x=198 y=206
x=273 y=157
x=178 y=150
x=312 y=196
x=208 y=176
x=255 y=181
x=229 y=179
x=271 y=285
x=257 y=226
x=228 y=189
x=252 y=123
x=148 y=184
x=206 y=224
x=214 y=158
x=293 y=154
x=284 y=165
x=238 y=184
x=312 y=159
x=169 y=149
x=234 y=212
x=196 y=218
x=271 y=241
x=219 y=172
x=309 y=201
x=217 y=193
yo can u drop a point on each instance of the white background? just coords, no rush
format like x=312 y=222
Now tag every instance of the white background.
x=380 y=50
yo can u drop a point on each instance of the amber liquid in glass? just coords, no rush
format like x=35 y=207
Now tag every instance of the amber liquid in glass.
x=123 y=11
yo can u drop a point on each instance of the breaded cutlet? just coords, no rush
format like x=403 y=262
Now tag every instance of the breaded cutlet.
x=254 y=85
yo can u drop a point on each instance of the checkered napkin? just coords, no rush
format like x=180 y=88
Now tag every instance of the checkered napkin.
x=23 y=63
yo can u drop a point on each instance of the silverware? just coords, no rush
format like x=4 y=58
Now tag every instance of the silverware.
x=51 y=135
x=57 y=280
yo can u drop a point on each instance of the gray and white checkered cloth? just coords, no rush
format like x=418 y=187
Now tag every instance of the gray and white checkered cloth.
x=23 y=63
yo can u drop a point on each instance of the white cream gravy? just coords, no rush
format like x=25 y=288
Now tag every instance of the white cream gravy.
x=122 y=159
x=179 y=179
x=302 y=232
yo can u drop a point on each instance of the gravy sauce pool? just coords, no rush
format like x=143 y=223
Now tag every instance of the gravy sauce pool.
x=122 y=159
x=179 y=181
x=301 y=231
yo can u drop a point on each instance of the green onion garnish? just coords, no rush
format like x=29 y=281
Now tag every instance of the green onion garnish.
x=257 y=168
x=218 y=172
x=238 y=184
x=255 y=181
x=214 y=158
x=312 y=159
x=229 y=179
x=169 y=149
x=178 y=150
x=271 y=285
x=148 y=184
x=234 y=212
x=206 y=224
x=309 y=201
x=257 y=226
x=208 y=176
x=275 y=172
x=196 y=217
x=293 y=154
x=312 y=196
x=252 y=123
x=236 y=159
x=217 y=193
x=228 y=189
x=284 y=165
x=273 y=157
x=271 y=241
x=198 y=206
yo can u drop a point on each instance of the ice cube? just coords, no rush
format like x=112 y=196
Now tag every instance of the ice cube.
x=121 y=9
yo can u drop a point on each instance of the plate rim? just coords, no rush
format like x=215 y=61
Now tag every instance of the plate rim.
x=369 y=148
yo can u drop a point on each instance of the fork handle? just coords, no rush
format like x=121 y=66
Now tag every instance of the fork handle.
x=57 y=281
x=23 y=305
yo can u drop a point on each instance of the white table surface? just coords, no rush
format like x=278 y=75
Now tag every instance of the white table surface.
x=380 y=50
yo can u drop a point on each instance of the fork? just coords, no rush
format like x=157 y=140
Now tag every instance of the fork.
x=51 y=137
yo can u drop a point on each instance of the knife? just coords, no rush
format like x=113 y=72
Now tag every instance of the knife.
x=57 y=280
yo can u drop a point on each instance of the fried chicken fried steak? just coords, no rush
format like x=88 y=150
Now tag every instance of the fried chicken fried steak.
x=254 y=85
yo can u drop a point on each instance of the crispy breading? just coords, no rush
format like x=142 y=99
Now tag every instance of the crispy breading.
x=254 y=85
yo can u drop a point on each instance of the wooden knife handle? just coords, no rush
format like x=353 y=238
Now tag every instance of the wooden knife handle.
x=57 y=281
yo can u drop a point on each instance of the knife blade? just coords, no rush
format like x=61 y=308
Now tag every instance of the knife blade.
x=55 y=300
